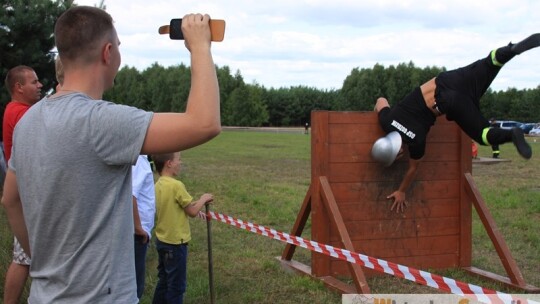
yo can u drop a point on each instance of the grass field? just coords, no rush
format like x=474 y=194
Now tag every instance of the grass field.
x=263 y=178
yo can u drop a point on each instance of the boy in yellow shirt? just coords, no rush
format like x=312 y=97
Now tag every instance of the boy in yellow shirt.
x=173 y=206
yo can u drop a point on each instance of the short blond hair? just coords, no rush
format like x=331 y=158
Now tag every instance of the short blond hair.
x=15 y=75
x=79 y=31
x=161 y=159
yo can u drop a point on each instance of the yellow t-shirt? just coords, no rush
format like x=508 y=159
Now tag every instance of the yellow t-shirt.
x=172 y=224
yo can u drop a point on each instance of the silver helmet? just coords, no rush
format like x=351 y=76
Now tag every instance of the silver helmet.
x=386 y=148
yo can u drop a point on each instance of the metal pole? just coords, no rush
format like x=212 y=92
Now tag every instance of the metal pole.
x=210 y=261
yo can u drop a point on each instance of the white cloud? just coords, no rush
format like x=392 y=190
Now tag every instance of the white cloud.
x=317 y=43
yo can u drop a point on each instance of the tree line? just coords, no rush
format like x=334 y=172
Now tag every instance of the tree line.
x=26 y=37
x=163 y=89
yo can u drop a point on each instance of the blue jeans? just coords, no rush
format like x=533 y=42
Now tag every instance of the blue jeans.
x=172 y=272
x=140 y=263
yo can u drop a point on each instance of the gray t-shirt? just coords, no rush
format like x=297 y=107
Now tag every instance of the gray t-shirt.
x=72 y=157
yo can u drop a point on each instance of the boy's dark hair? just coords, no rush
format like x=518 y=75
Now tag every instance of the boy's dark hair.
x=161 y=159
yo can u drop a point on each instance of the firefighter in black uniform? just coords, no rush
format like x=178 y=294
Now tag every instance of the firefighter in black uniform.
x=456 y=94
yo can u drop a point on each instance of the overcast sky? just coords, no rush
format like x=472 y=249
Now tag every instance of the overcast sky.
x=316 y=43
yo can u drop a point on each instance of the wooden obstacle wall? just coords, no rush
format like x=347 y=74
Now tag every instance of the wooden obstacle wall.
x=349 y=209
x=433 y=232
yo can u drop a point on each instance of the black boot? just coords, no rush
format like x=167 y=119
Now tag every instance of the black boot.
x=497 y=136
x=521 y=144
x=528 y=43
x=503 y=54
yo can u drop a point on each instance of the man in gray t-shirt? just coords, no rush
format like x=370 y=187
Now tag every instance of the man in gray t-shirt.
x=86 y=172
x=71 y=167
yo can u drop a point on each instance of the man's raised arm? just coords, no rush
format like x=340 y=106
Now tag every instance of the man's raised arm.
x=201 y=122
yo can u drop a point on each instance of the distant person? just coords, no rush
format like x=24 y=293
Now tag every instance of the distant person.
x=173 y=207
x=494 y=148
x=72 y=159
x=306 y=131
x=474 y=150
x=144 y=210
x=456 y=94
x=24 y=88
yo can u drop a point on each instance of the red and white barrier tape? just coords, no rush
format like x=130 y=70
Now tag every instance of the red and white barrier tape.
x=475 y=292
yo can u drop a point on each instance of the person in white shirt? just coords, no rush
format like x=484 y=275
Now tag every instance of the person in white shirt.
x=144 y=209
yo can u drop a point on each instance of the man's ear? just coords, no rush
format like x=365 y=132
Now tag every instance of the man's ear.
x=106 y=53
x=18 y=86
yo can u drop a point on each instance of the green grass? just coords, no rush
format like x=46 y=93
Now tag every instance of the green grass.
x=263 y=178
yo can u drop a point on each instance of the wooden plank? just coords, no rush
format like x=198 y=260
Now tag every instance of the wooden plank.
x=435 y=189
x=354 y=133
x=423 y=190
x=350 y=152
x=405 y=247
x=494 y=234
x=319 y=167
x=299 y=225
x=427 y=263
x=365 y=133
x=367 y=118
x=444 y=132
x=361 y=152
x=401 y=228
x=377 y=210
x=465 y=253
x=498 y=278
x=344 y=238
x=366 y=172
x=338 y=285
x=331 y=282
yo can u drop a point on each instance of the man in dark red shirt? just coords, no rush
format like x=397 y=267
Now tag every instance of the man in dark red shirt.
x=25 y=89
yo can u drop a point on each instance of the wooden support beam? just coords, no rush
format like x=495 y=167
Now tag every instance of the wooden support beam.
x=501 y=279
x=299 y=225
x=330 y=203
x=494 y=234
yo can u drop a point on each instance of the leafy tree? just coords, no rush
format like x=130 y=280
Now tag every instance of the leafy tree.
x=362 y=87
x=352 y=89
x=245 y=107
x=166 y=89
x=128 y=89
x=489 y=105
x=227 y=84
x=178 y=81
x=512 y=104
x=304 y=100
x=527 y=108
x=156 y=94
x=278 y=102
x=26 y=37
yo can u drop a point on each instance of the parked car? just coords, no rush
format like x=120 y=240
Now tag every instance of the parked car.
x=508 y=124
x=535 y=131
x=527 y=127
